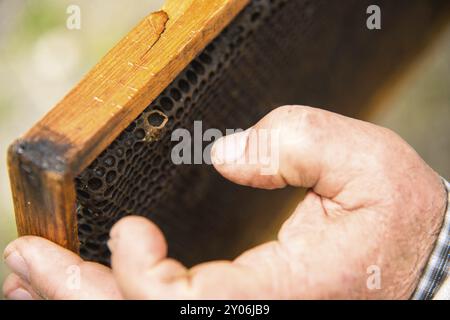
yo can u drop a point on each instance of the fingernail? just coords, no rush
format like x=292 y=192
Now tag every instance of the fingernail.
x=19 y=294
x=112 y=241
x=111 y=244
x=17 y=264
x=113 y=233
x=230 y=148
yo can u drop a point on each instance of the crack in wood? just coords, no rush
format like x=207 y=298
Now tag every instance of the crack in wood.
x=157 y=22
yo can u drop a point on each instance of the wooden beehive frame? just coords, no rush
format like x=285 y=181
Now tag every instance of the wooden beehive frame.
x=43 y=163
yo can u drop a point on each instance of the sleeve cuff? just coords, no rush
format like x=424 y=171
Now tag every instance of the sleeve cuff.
x=436 y=271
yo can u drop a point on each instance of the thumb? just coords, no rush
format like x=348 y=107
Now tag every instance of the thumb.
x=143 y=270
x=139 y=259
x=301 y=146
x=45 y=270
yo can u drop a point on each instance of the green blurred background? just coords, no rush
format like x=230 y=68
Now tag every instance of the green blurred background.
x=40 y=60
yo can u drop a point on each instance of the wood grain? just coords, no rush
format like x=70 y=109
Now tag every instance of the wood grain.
x=132 y=74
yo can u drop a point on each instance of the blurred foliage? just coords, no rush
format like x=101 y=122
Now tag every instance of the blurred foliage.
x=39 y=17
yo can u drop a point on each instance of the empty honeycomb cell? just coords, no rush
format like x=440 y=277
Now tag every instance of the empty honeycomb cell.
x=139 y=134
x=255 y=16
x=120 y=165
x=109 y=161
x=175 y=94
x=183 y=85
x=99 y=171
x=129 y=142
x=205 y=58
x=108 y=192
x=138 y=145
x=187 y=103
x=166 y=103
x=107 y=208
x=179 y=112
x=192 y=77
x=95 y=183
x=210 y=47
x=156 y=119
x=111 y=176
x=198 y=67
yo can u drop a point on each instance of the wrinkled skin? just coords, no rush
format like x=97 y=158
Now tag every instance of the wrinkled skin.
x=372 y=201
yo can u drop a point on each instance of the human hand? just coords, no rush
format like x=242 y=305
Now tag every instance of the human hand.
x=372 y=201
